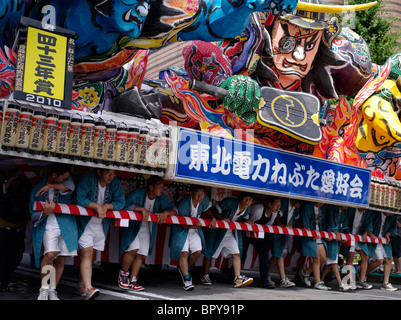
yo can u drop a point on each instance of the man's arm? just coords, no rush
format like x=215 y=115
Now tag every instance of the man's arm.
x=213 y=215
x=164 y=214
x=66 y=187
x=100 y=209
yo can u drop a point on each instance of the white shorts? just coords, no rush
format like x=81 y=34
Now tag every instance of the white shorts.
x=93 y=236
x=380 y=253
x=289 y=242
x=228 y=246
x=354 y=246
x=53 y=241
x=331 y=261
x=141 y=241
x=193 y=242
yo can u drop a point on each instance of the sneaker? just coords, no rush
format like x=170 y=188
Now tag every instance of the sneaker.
x=286 y=283
x=187 y=280
x=364 y=285
x=344 y=287
x=353 y=285
x=91 y=293
x=205 y=280
x=321 y=286
x=43 y=294
x=135 y=286
x=53 y=294
x=305 y=278
x=242 y=281
x=388 y=287
x=80 y=290
x=123 y=280
x=268 y=285
x=271 y=282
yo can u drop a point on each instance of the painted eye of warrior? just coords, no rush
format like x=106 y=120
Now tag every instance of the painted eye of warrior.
x=310 y=45
x=141 y=9
x=288 y=43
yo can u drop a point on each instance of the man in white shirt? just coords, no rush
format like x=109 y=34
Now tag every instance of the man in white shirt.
x=101 y=191
x=56 y=233
x=384 y=225
x=265 y=215
x=228 y=242
x=360 y=223
x=138 y=239
x=282 y=244
x=187 y=242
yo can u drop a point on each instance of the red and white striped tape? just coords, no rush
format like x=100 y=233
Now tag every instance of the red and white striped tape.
x=132 y=215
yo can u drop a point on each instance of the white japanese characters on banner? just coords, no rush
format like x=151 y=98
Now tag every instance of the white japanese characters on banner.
x=223 y=161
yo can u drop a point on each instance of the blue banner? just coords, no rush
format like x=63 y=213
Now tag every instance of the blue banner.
x=234 y=163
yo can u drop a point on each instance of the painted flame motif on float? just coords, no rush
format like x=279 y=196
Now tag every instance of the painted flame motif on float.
x=8 y=61
x=350 y=136
x=197 y=106
x=338 y=119
x=217 y=119
x=346 y=147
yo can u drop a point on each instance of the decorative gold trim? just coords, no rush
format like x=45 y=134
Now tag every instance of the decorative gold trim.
x=332 y=8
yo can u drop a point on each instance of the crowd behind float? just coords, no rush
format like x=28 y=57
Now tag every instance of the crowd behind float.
x=90 y=140
x=56 y=236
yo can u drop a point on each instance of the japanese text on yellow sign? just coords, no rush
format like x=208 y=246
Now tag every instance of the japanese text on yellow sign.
x=45 y=71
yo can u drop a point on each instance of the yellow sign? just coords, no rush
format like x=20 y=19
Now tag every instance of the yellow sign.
x=44 y=74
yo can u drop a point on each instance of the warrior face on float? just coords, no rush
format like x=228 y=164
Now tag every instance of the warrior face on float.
x=130 y=15
x=294 y=50
x=379 y=132
x=301 y=45
x=99 y=25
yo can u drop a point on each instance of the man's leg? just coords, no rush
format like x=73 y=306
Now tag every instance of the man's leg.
x=86 y=266
x=183 y=261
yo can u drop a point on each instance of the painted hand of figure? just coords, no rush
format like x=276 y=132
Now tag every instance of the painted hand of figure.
x=243 y=97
